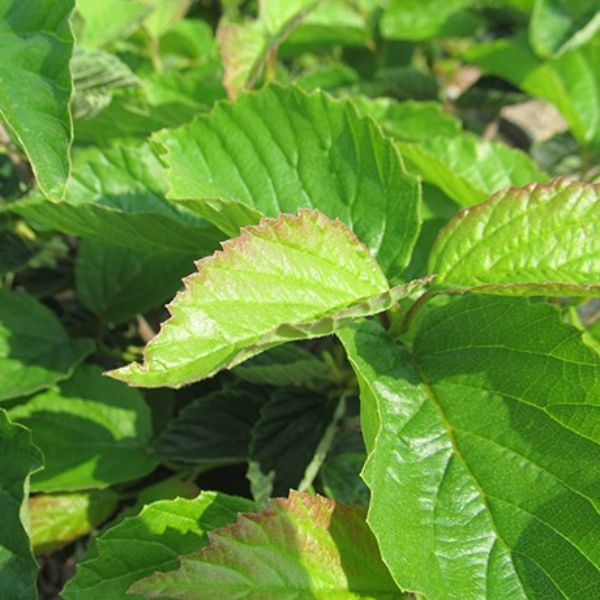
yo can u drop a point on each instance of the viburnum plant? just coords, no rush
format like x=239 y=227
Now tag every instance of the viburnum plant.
x=387 y=320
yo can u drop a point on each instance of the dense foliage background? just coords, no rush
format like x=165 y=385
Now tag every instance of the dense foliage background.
x=130 y=147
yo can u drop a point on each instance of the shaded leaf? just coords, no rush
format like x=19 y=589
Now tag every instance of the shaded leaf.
x=36 y=44
x=56 y=520
x=93 y=432
x=536 y=240
x=286 y=279
x=35 y=350
x=281 y=149
x=164 y=530
x=20 y=458
x=332 y=553
x=491 y=490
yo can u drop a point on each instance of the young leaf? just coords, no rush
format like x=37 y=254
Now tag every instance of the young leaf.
x=93 y=432
x=281 y=149
x=36 y=44
x=286 y=279
x=20 y=458
x=118 y=283
x=559 y=25
x=541 y=239
x=150 y=542
x=300 y=546
x=570 y=82
x=116 y=196
x=56 y=520
x=467 y=169
x=35 y=350
x=290 y=441
x=490 y=423
x=213 y=430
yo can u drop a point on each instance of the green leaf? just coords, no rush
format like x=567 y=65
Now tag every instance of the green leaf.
x=150 y=542
x=245 y=48
x=56 y=520
x=93 y=432
x=289 y=365
x=302 y=546
x=570 y=82
x=20 y=458
x=286 y=279
x=290 y=441
x=110 y=20
x=35 y=350
x=409 y=120
x=541 y=239
x=281 y=149
x=116 y=196
x=36 y=43
x=490 y=492
x=560 y=25
x=213 y=430
x=424 y=19
x=468 y=169
x=117 y=283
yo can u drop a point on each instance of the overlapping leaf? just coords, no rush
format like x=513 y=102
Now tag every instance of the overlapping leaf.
x=300 y=546
x=36 y=44
x=490 y=423
x=289 y=278
x=93 y=432
x=20 y=458
x=536 y=240
x=281 y=149
x=150 y=542
x=35 y=350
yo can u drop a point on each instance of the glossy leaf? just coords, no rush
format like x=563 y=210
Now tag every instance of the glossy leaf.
x=150 y=542
x=491 y=493
x=35 y=350
x=56 y=520
x=570 y=82
x=36 y=44
x=213 y=430
x=559 y=25
x=302 y=545
x=20 y=458
x=286 y=279
x=535 y=240
x=118 y=283
x=116 y=196
x=281 y=149
x=467 y=169
x=290 y=441
x=93 y=432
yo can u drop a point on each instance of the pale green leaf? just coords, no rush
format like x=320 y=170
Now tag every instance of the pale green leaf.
x=166 y=14
x=35 y=350
x=536 y=240
x=570 y=82
x=36 y=44
x=116 y=196
x=150 y=542
x=20 y=458
x=290 y=441
x=490 y=493
x=560 y=25
x=281 y=149
x=118 y=283
x=93 y=432
x=302 y=546
x=282 y=280
x=468 y=169
x=56 y=520
x=213 y=430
